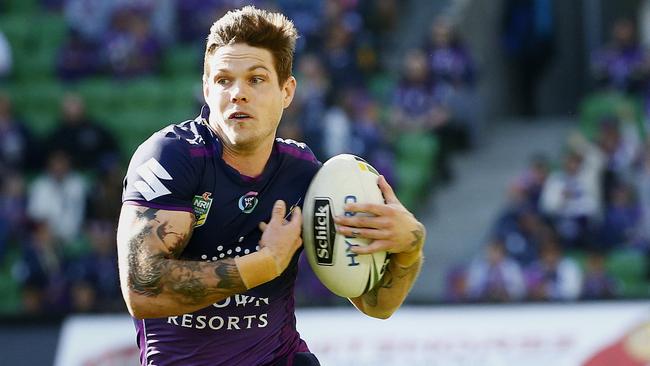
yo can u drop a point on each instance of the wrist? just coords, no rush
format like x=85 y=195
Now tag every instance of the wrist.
x=407 y=259
x=257 y=268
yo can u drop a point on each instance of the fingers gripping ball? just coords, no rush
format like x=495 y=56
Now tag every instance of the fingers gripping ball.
x=342 y=179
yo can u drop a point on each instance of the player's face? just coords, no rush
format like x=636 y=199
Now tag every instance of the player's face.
x=244 y=96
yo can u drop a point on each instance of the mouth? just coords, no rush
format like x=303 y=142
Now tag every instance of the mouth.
x=239 y=116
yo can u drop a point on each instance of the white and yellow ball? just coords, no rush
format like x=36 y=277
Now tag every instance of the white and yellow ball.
x=342 y=179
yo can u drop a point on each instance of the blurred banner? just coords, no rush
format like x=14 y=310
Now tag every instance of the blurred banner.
x=526 y=335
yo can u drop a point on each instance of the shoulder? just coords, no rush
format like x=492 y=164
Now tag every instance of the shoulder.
x=296 y=151
x=167 y=167
x=184 y=139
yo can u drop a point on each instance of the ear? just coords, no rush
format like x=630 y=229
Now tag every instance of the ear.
x=289 y=90
x=206 y=90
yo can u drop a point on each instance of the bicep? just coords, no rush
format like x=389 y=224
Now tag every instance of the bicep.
x=169 y=231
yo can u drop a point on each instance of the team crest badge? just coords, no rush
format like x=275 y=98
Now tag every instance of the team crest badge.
x=248 y=202
x=201 y=205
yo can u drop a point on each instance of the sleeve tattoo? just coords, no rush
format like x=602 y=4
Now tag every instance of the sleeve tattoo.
x=154 y=270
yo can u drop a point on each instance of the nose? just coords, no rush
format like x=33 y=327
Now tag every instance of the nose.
x=238 y=93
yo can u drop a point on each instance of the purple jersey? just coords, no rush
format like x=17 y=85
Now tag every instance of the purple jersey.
x=180 y=168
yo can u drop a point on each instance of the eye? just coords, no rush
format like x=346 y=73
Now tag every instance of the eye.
x=222 y=81
x=257 y=79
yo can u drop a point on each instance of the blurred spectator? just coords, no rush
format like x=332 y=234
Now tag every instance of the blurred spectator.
x=5 y=57
x=160 y=14
x=307 y=16
x=413 y=101
x=619 y=64
x=13 y=207
x=531 y=182
x=57 y=197
x=337 y=127
x=571 y=196
x=105 y=202
x=415 y=109
x=642 y=185
x=131 y=48
x=17 y=148
x=77 y=58
x=381 y=19
x=88 y=19
x=495 y=276
x=622 y=215
x=369 y=139
x=620 y=146
x=520 y=227
x=598 y=283
x=94 y=278
x=339 y=55
x=41 y=272
x=453 y=74
x=528 y=38
x=89 y=144
x=553 y=277
x=195 y=16
x=311 y=100
x=456 y=284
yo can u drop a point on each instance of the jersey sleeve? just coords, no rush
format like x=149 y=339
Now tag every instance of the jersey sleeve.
x=161 y=174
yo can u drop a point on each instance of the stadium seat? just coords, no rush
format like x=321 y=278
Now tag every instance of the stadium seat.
x=100 y=94
x=38 y=102
x=182 y=61
x=20 y=7
x=415 y=167
x=629 y=267
x=605 y=104
x=9 y=287
x=34 y=43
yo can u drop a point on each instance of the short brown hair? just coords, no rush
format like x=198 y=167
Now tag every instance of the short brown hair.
x=257 y=28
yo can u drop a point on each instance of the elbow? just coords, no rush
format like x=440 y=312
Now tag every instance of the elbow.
x=135 y=307
x=138 y=312
x=139 y=307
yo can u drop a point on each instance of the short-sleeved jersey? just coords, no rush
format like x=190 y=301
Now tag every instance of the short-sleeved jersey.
x=180 y=168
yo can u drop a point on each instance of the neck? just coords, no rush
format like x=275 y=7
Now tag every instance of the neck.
x=249 y=162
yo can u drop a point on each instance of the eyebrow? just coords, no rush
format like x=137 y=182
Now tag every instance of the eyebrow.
x=257 y=66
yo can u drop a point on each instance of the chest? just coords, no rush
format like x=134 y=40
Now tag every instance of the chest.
x=228 y=212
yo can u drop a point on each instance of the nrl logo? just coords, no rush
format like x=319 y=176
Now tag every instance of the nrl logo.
x=201 y=205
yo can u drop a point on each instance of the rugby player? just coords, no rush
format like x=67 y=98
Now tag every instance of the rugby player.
x=209 y=233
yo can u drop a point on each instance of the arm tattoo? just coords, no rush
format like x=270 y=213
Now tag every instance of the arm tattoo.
x=387 y=283
x=144 y=273
x=228 y=275
x=184 y=279
x=153 y=270
x=419 y=235
x=148 y=214
x=174 y=242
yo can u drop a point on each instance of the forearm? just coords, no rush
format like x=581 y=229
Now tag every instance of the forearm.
x=154 y=281
x=383 y=300
x=173 y=287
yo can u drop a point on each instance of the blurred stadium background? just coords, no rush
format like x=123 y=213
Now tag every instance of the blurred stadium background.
x=516 y=129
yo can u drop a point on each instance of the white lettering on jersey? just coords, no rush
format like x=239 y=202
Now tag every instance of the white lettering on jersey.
x=151 y=187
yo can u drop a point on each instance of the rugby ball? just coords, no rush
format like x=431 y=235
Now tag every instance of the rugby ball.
x=343 y=178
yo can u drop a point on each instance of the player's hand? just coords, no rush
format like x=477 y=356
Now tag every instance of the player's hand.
x=392 y=227
x=280 y=236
